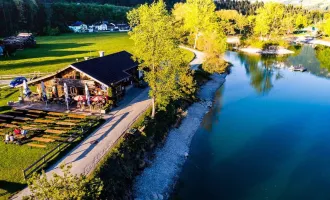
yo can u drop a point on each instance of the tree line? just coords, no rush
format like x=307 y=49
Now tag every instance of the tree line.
x=43 y=18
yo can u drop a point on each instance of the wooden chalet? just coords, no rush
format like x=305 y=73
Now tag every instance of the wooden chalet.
x=116 y=71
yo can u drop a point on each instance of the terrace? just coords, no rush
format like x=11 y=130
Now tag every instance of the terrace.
x=49 y=134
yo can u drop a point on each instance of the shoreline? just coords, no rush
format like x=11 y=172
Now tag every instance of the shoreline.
x=252 y=50
x=158 y=180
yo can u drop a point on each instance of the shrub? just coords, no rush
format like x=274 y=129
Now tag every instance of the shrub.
x=52 y=31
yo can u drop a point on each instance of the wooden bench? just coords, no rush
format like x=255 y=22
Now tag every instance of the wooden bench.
x=66 y=123
x=23 y=118
x=6 y=116
x=30 y=128
x=37 y=145
x=11 y=126
x=76 y=116
x=40 y=139
x=56 y=114
x=62 y=128
x=55 y=131
x=47 y=121
x=72 y=120
x=36 y=111
x=33 y=115
x=52 y=118
x=54 y=137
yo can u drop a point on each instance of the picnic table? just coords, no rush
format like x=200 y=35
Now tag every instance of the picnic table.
x=36 y=111
x=66 y=123
x=77 y=116
x=23 y=118
x=72 y=120
x=29 y=128
x=62 y=128
x=56 y=114
x=36 y=145
x=55 y=131
x=6 y=116
x=53 y=118
x=10 y=126
x=40 y=139
x=33 y=115
x=54 y=137
x=47 y=121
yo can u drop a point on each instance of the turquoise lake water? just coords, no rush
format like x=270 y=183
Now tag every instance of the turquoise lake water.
x=267 y=136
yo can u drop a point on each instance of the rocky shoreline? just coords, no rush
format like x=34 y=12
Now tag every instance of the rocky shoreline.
x=157 y=181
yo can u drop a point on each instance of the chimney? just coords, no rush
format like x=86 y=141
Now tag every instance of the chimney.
x=86 y=58
x=101 y=53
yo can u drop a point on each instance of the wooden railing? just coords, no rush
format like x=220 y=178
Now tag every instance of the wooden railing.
x=30 y=76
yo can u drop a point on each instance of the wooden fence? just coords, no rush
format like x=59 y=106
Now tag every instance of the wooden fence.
x=29 y=76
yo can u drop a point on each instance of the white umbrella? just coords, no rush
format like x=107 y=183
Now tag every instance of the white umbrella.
x=66 y=96
x=26 y=89
x=43 y=92
x=88 y=97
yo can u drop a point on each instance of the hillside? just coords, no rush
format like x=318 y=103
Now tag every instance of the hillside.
x=313 y=4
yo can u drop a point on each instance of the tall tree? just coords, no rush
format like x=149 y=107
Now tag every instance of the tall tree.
x=197 y=16
x=66 y=187
x=156 y=47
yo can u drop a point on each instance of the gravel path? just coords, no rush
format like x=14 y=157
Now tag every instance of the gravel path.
x=157 y=181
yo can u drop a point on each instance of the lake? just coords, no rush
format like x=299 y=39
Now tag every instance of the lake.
x=267 y=135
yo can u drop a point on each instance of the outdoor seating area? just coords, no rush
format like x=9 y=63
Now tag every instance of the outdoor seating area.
x=37 y=129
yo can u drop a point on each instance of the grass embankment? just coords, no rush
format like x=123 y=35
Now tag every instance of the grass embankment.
x=55 y=52
x=135 y=152
x=264 y=44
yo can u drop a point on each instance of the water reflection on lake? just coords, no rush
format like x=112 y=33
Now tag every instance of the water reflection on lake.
x=267 y=136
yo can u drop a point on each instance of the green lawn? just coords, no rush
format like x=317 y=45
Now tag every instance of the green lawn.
x=14 y=158
x=56 y=52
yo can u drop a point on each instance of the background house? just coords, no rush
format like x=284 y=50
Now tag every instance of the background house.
x=79 y=27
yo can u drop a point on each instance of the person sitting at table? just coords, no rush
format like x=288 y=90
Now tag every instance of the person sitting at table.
x=11 y=138
x=24 y=132
x=17 y=131
x=7 y=138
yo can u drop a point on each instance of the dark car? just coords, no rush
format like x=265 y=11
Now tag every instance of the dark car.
x=17 y=81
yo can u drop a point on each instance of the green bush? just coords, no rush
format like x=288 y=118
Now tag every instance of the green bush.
x=52 y=31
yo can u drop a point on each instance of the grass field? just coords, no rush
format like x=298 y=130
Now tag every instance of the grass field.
x=14 y=158
x=56 y=52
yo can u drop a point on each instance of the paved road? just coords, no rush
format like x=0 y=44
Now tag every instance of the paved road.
x=85 y=156
x=198 y=60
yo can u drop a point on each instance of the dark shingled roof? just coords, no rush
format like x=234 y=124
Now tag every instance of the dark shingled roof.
x=108 y=69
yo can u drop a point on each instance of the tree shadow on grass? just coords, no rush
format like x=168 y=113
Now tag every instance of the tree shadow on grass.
x=37 y=64
x=10 y=187
x=49 y=50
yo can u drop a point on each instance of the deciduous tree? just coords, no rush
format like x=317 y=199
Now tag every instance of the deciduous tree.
x=64 y=187
x=156 y=47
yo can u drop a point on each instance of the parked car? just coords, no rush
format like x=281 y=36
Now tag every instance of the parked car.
x=17 y=81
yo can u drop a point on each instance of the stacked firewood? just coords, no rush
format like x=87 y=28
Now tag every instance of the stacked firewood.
x=21 y=41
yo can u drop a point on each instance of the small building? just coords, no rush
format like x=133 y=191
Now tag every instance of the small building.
x=79 y=27
x=115 y=71
x=101 y=26
x=123 y=27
